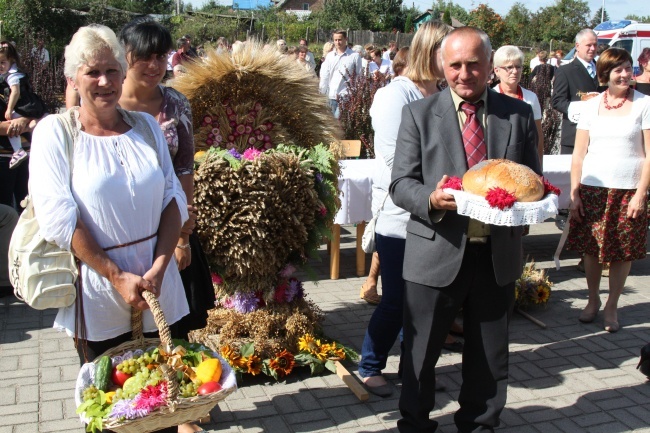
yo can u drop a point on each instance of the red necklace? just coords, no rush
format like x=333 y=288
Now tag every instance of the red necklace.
x=609 y=107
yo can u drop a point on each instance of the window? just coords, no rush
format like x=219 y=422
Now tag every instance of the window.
x=305 y=6
x=626 y=44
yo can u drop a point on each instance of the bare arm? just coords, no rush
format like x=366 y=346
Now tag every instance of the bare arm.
x=579 y=153
x=168 y=232
x=183 y=255
x=13 y=99
x=17 y=126
x=638 y=202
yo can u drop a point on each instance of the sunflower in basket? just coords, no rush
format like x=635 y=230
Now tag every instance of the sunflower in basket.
x=266 y=190
x=533 y=287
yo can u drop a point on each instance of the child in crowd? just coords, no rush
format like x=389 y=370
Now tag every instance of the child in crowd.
x=17 y=96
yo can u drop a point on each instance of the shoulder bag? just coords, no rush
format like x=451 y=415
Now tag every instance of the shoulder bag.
x=42 y=273
x=368 y=239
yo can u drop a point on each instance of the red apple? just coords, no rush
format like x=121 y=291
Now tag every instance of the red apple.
x=119 y=377
x=208 y=388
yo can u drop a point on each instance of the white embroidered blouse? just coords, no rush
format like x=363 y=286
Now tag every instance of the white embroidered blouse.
x=119 y=188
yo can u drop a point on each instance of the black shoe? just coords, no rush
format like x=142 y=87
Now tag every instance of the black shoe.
x=456 y=346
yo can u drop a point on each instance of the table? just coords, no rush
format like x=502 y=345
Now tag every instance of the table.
x=557 y=170
x=355 y=184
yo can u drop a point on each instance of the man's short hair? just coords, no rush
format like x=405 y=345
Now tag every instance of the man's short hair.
x=188 y=37
x=584 y=32
x=340 y=32
x=303 y=40
x=485 y=39
x=181 y=42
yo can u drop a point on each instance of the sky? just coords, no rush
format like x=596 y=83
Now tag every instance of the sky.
x=616 y=9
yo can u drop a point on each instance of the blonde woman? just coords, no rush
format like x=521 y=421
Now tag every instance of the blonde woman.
x=420 y=80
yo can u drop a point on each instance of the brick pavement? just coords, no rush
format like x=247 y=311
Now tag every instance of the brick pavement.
x=570 y=377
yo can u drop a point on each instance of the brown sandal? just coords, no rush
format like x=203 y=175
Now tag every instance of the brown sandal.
x=370 y=295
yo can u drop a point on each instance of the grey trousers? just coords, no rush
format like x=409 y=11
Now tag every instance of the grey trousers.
x=8 y=220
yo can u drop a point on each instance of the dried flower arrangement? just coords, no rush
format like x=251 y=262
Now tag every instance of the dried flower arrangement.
x=533 y=287
x=266 y=190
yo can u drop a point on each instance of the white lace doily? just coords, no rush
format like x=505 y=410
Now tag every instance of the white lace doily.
x=519 y=214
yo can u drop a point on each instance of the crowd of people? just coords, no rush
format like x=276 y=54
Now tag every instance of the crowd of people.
x=133 y=138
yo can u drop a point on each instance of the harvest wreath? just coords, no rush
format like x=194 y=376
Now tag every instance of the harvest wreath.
x=266 y=190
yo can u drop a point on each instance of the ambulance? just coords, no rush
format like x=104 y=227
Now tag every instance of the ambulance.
x=627 y=34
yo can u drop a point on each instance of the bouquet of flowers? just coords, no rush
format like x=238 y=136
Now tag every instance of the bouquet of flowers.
x=533 y=287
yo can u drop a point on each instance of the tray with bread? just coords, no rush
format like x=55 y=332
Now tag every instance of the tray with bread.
x=503 y=192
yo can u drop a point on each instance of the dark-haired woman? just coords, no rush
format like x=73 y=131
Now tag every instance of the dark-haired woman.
x=610 y=174
x=146 y=44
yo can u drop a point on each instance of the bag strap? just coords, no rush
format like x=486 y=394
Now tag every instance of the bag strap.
x=381 y=207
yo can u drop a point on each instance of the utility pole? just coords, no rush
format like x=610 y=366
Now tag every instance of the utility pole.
x=602 y=12
x=178 y=7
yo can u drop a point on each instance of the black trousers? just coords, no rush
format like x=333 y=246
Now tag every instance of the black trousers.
x=428 y=315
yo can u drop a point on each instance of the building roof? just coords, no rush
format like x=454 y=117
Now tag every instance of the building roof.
x=454 y=22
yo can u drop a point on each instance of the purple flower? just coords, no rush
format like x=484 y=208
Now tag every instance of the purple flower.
x=126 y=409
x=288 y=271
x=234 y=153
x=245 y=302
x=319 y=177
x=294 y=290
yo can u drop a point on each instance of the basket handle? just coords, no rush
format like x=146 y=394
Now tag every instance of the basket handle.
x=158 y=317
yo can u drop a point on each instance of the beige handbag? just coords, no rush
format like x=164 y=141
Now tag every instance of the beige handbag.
x=43 y=275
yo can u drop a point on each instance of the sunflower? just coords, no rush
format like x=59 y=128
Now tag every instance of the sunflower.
x=324 y=352
x=228 y=352
x=254 y=365
x=308 y=344
x=283 y=363
x=543 y=293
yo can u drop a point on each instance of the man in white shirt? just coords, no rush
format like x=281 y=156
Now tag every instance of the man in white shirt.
x=41 y=54
x=310 y=56
x=337 y=66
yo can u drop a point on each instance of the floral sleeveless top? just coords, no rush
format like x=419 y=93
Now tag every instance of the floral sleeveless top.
x=175 y=120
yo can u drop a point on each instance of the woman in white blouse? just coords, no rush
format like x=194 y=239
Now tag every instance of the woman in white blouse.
x=508 y=66
x=117 y=204
x=610 y=174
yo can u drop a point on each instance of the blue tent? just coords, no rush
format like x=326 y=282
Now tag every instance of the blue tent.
x=250 y=4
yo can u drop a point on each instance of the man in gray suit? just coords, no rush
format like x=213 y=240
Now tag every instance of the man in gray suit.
x=451 y=261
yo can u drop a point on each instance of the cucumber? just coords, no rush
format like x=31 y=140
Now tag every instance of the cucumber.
x=103 y=373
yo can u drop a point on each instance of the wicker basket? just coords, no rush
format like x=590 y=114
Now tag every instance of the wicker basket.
x=178 y=410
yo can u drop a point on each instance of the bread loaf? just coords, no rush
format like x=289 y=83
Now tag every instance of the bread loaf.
x=517 y=179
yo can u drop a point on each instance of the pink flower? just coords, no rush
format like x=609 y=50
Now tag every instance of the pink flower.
x=260 y=137
x=453 y=183
x=210 y=135
x=267 y=138
x=269 y=126
x=207 y=119
x=218 y=138
x=231 y=138
x=323 y=211
x=232 y=117
x=248 y=129
x=280 y=292
x=268 y=145
x=500 y=198
x=233 y=124
x=216 y=279
x=251 y=153
x=151 y=397
x=252 y=141
x=215 y=131
x=209 y=142
x=229 y=111
x=241 y=129
x=258 y=106
x=262 y=128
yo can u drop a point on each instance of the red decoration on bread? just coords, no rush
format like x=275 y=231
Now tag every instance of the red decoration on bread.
x=453 y=182
x=549 y=188
x=500 y=198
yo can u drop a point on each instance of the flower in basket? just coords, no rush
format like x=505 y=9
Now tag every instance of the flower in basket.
x=533 y=287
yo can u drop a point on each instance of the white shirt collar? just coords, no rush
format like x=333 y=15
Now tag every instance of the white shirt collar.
x=585 y=64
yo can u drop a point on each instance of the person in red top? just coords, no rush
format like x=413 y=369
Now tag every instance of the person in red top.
x=181 y=56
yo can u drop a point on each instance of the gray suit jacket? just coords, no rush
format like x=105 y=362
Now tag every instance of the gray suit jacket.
x=430 y=145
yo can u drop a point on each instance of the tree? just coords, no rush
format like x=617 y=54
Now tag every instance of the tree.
x=596 y=19
x=490 y=22
x=374 y=15
x=446 y=17
x=440 y=7
x=561 y=21
x=517 y=25
x=639 y=18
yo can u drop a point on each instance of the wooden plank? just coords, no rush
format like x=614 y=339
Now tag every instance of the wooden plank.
x=356 y=388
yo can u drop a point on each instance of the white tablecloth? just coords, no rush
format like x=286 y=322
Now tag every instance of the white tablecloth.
x=557 y=170
x=356 y=186
x=356 y=191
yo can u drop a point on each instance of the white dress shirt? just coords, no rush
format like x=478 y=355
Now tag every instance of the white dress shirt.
x=334 y=72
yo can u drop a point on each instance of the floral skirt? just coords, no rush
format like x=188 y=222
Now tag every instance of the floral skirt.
x=605 y=231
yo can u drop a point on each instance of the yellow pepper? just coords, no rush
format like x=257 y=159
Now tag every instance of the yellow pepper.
x=209 y=370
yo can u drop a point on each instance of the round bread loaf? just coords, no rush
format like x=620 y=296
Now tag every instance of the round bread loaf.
x=517 y=179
